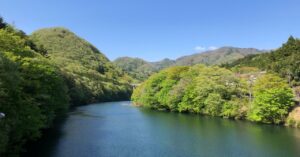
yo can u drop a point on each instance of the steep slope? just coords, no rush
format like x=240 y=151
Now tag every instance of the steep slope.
x=89 y=74
x=141 y=69
x=64 y=47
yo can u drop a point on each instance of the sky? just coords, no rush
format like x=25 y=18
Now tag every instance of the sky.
x=158 y=29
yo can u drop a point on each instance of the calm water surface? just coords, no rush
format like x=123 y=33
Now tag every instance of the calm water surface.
x=117 y=129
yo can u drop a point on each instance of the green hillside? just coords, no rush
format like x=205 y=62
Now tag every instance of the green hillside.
x=91 y=76
x=284 y=60
x=261 y=88
x=141 y=69
x=42 y=75
x=135 y=67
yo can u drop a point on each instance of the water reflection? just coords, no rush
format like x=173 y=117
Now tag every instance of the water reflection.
x=119 y=129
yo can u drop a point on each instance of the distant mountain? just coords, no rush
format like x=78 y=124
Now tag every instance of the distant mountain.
x=137 y=68
x=141 y=69
x=163 y=63
x=218 y=56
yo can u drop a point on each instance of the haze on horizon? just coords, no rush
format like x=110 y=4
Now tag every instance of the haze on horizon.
x=158 y=29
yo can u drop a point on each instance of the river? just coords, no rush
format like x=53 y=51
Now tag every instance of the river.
x=118 y=129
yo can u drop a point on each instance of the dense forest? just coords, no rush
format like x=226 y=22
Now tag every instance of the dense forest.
x=285 y=61
x=90 y=75
x=140 y=69
x=42 y=75
x=260 y=88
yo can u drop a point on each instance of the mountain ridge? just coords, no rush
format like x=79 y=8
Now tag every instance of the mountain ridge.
x=222 y=55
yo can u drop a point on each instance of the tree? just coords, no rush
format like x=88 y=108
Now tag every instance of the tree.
x=196 y=89
x=272 y=100
x=284 y=61
x=213 y=103
x=2 y=23
x=235 y=108
x=35 y=89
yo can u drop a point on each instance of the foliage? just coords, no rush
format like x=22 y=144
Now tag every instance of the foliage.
x=210 y=83
x=40 y=76
x=90 y=76
x=273 y=99
x=293 y=119
x=32 y=92
x=235 y=108
x=141 y=70
x=217 y=91
x=284 y=61
x=196 y=89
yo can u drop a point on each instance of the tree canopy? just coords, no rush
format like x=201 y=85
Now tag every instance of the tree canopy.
x=89 y=74
x=284 y=61
x=217 y=91
x=42 y=75
x=140 y=69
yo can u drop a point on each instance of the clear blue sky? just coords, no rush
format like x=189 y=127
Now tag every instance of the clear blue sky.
x=156 y=29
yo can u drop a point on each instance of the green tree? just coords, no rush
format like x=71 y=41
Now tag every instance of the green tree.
x=272 y=100
x=196 y=89
x=235 y=108
x=37 y=81
x=213 y=103
x=284 y=61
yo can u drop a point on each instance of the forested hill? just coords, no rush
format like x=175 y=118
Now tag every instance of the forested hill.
x=90 y=75
x=42 y=75
x=262 y=88
x=285 y=61
x=141 y=69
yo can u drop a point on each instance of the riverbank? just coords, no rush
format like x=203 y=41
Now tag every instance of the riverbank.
x=116 y=129
x=219 y=92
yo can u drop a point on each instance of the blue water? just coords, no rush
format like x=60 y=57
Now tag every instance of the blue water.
x=118 y=129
